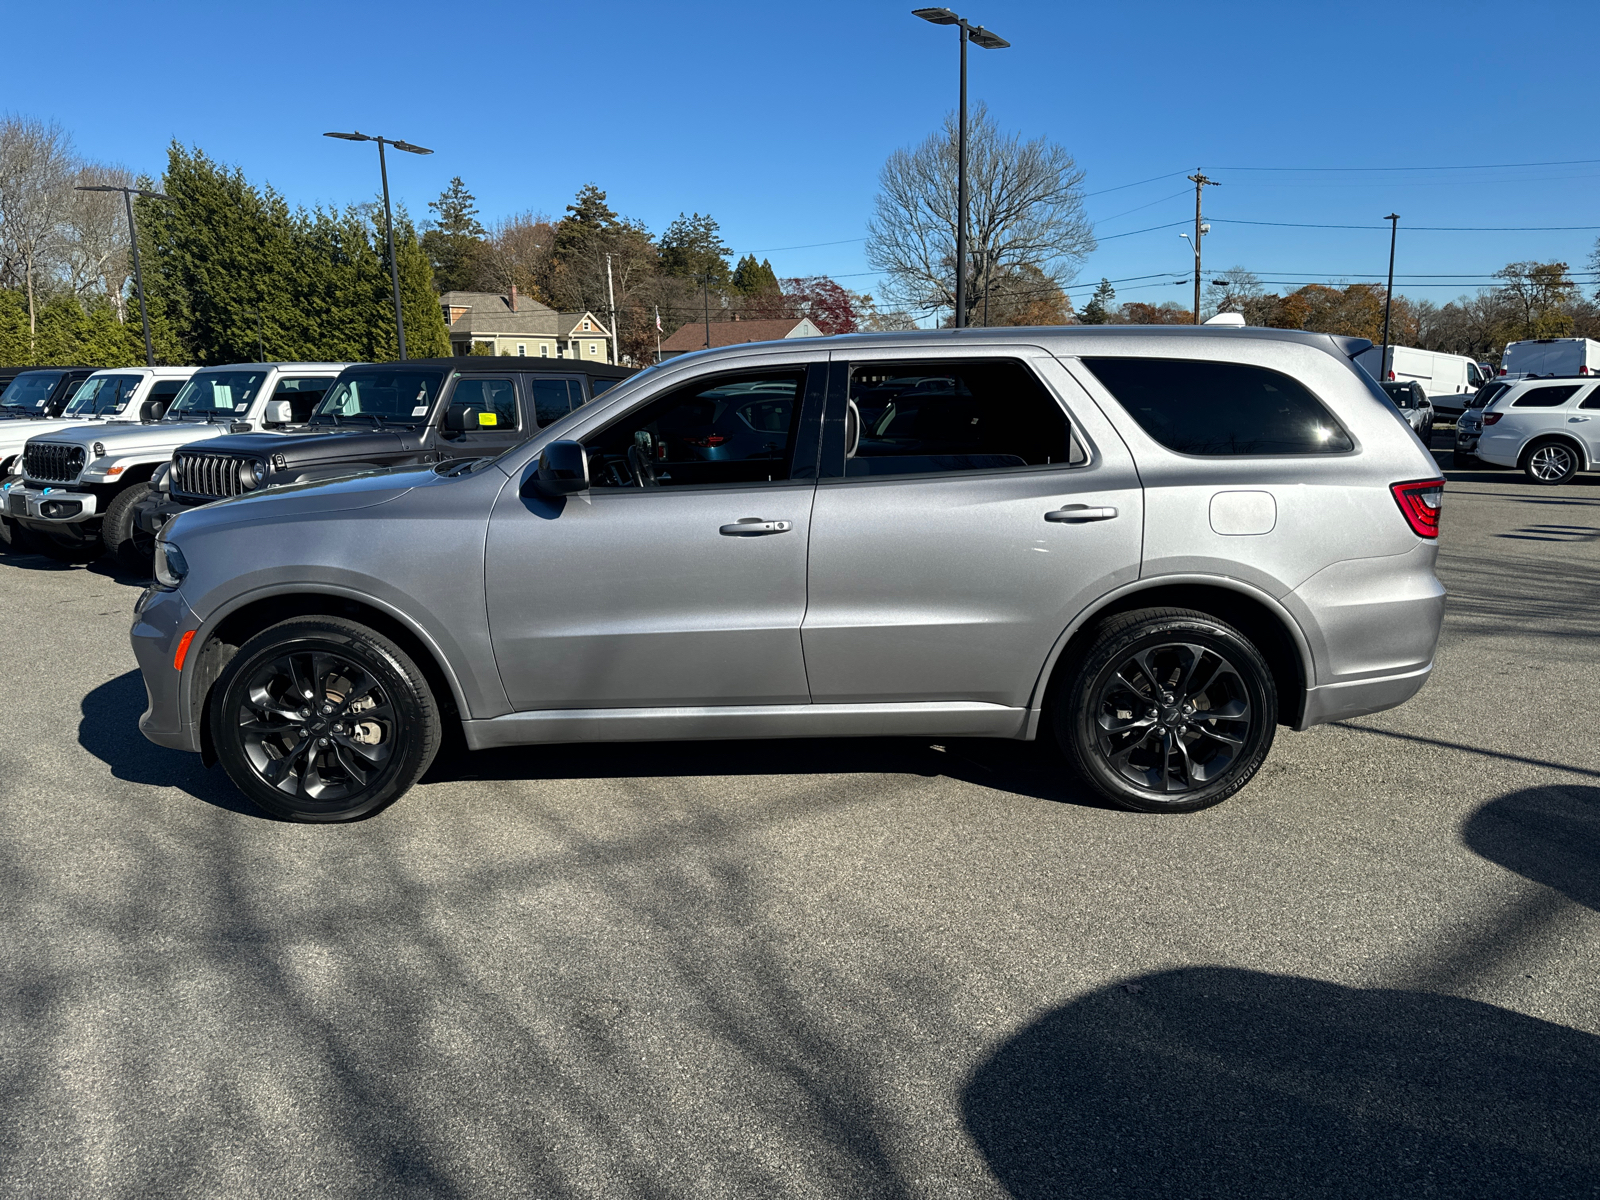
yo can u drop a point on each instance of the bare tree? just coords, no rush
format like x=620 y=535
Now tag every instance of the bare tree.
x=1026 y=212
x=36 y=170
x=94 y=237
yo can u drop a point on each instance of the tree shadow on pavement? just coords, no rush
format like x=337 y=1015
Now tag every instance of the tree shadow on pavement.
x=1550 y=835
x=1217 y=1081
x=109 y=730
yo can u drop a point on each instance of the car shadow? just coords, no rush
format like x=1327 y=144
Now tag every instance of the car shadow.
x=109 y=730
x=1214 y=1081
x=1550 y=835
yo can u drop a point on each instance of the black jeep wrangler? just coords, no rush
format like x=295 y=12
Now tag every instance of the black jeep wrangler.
x=428 y=410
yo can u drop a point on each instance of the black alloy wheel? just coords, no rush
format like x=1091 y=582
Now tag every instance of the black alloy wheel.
x=323 y=719
x=1550 y=462
x=1168 y=710
x=132 y=547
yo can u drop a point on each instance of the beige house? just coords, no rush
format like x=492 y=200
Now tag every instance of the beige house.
x=514 y=325
x=694 y=335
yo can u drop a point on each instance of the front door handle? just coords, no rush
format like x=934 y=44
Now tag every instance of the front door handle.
x=755 y=527
x=1074 y=514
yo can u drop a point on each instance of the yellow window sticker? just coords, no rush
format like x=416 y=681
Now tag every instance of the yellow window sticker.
x=488 y=418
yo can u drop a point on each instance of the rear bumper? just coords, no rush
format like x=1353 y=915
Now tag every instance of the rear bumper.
x=65 y=507
x=1340 y=701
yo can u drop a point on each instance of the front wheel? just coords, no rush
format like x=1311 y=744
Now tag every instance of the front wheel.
x=132 y=547
x=322 y=719
x=1551 y=463
x=1168 y=710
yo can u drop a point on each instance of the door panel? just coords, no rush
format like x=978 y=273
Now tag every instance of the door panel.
x=637 y=598
x=955 y=586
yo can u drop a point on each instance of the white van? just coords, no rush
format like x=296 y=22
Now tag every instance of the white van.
x=1449 y=379
x=1551 y=356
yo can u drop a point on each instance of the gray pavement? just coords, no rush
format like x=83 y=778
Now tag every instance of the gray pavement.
x=881 y=968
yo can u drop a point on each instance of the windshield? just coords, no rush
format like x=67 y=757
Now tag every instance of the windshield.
x=31 y=390
x=382 y=397
x=101 y=394
x=216 y=394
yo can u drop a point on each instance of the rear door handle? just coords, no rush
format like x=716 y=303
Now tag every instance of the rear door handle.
x=755 y=527
x=1074 y=514
x=1577 y=418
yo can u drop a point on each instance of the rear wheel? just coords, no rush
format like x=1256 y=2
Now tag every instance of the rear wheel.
x=322 y=719
x=1168 y=710
x=133 y=548
x=1550 y=462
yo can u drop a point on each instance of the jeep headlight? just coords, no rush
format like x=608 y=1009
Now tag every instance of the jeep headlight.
x=158 y=480
x=251 y=474
x=170 y=564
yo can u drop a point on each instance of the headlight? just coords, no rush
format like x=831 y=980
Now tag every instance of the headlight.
x=170 y=564
x=158 y=481
x=251 y=474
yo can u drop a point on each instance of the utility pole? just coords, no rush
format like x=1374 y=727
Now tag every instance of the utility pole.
x=1388 y=298
x=611 y=292
x=705 y=290
x=1200 y=182
x=128 y=193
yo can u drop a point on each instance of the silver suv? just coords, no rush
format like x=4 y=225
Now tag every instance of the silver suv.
x=1548 y=427
x=1154 y=545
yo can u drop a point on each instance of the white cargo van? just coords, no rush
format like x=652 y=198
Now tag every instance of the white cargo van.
x=1551 y=356
x=1449 y=379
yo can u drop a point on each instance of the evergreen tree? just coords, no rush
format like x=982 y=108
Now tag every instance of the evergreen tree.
x=751 y=278
x=1099 y=307
x=692 y=248
x=587 y=216
x=455 y=242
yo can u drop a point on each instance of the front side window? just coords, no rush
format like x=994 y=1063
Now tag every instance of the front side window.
x=380 y=397
x=914 y=418
x=1545 y=397
x=554 y=398
x=30 y=391
x=729 y=429
x=102 y=394
x=496 y=400
x=216 y=394
x=1218 y=409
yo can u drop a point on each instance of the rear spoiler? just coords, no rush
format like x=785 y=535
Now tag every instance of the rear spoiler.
x=1352 y=346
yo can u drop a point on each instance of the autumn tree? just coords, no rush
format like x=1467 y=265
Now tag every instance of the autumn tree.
x=1025 y=296
x=1538 y=295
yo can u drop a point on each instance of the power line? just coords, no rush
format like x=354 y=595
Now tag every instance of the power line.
x=1123 y=186
x=1419 y=228
x=1152 y=204
x=1567 y=162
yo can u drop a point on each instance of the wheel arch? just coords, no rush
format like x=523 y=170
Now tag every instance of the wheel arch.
x=1251 y=611
x=224 y=632
x=1577 y=445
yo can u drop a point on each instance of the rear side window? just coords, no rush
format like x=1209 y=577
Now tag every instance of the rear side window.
x=555 y=398
x=1221 y=409
x=916 y=418
x=1592 y=400
x=1545 y=397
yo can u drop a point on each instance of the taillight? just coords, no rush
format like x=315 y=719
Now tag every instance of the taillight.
x=1491 y=418
x=1502 y=370
x=1419 y=501
x=1583 y=370
x=1391 y=375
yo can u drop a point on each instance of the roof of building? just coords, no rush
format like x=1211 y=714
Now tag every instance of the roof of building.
x=490 y=313
x=731 y=333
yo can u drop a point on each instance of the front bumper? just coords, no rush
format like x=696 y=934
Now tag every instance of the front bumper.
x=50 y=505
x=158 y=508
x=160 y=621
x=1466 y=440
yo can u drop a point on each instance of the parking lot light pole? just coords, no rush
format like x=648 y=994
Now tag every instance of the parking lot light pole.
x=989 y=41
x=388 y=218
x=1388 y=297
x=128 y=193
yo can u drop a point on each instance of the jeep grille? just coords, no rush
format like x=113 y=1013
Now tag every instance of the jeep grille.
x=51 y=462
x=207 y=476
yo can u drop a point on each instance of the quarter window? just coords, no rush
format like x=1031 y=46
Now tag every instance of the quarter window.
x=915 y=418
x=1545 y=397
x=1220 y=409
x=732 y=429
x=1592 y=400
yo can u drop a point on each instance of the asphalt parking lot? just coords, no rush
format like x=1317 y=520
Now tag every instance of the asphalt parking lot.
x=838 y=968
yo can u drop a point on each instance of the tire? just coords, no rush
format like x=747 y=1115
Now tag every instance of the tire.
x=132 y=547
x=330 y=773
x=1550 y=462
x=1153 y=755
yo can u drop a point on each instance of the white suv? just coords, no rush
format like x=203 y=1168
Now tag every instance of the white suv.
x=1548 y=427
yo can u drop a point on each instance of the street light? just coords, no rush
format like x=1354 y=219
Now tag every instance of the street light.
x=989 y=41
x=133 y=237
x=388 y=217
x=1194 y=244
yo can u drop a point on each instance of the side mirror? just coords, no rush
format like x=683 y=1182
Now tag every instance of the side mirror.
x=152 y=410
x=563 y=469
x=277 y=412
x=460 y=418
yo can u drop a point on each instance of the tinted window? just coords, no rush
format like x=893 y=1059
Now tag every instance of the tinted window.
x=381 y=396
x=496 y=398
x=1487 y=393
x=596 y=386
x=555 y=398
x=165 y=389
x=217 y=393
x=1213 y=408
x=302 y=395
x=1592 y=400
x=731 y=429
x=102 y=394
x=915 y=418
x=1401 y=394
x=30 y=391
x=1545 y=397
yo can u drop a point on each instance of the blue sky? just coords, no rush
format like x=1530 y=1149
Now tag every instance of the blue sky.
x=777 y=118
